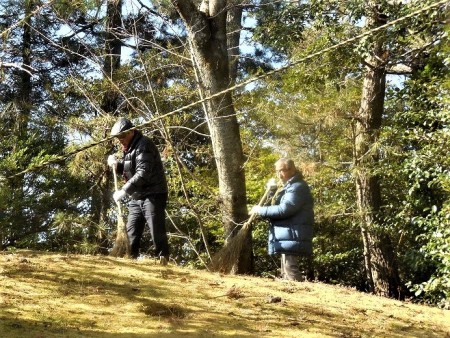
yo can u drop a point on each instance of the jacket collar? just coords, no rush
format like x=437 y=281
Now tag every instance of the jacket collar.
x=293 y=179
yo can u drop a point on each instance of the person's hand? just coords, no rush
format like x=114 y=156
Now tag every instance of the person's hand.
x=112 y=160
x=255 y=210
x=118 y=195
x=271 y=184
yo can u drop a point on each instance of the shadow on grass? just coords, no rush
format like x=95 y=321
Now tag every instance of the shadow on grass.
x=78 y=277
x=184 y=323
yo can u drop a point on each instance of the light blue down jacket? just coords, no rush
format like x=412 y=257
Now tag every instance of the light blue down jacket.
x=291 y=219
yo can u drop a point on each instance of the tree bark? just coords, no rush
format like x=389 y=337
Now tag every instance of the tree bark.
x=380 y=263
x=101 y=199
x=113 y=47
x=207 y=35
x=22 y=103
x=234 y=27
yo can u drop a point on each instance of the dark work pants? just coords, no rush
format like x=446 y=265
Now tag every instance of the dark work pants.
x=150 y=210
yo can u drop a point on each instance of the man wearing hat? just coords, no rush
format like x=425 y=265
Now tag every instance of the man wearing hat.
x=145 y=185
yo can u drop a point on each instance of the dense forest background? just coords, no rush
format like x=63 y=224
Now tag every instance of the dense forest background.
x=356 y=92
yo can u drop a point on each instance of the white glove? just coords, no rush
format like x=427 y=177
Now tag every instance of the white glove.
x=271 y=184
x=112 y=160
x=118 y=195
x=255 y=210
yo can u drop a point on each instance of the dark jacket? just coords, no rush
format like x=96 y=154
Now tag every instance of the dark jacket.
x=291 y=219
x=142 y=168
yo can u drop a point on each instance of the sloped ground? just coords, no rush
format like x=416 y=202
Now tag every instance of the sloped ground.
x=44 y=295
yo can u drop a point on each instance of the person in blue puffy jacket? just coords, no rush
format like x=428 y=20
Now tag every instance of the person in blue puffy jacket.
x=291 y=218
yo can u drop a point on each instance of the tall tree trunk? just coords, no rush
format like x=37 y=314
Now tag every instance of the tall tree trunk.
x=208 y=37
x=113 y=48
x=234 y=27
x=380 y=263
x=22 y=102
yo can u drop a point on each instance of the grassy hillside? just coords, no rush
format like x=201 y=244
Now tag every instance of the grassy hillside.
x=47 y=295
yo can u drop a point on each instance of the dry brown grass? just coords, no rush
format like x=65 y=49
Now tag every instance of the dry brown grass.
x=46 y=295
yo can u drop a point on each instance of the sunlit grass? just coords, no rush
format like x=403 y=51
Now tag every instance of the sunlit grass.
x=54 y=295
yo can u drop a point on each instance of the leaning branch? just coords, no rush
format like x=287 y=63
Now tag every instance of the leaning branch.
x=25 y=68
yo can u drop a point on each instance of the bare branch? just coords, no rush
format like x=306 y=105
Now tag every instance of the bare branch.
x=25 y=68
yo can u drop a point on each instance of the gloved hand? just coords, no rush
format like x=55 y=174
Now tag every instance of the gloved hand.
x=271 y=184
x=112 y=160
x=255 y=210
x=118 y=195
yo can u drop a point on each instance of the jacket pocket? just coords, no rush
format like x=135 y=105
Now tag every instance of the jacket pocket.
x=284 y=233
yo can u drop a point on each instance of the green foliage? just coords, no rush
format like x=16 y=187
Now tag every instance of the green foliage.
x=70 y=232
x=416 y=166
x=436 y=249
x=306 y=112
x=66 y=8
x=279 y=24
x=193 y=213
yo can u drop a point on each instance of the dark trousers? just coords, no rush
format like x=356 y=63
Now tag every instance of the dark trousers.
x=150 y=210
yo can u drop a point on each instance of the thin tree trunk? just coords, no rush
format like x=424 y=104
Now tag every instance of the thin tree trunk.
x=113 y=46
x=381 y=269
x=208 y=37
x=22 y=102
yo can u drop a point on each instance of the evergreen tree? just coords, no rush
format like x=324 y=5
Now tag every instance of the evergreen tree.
x=32 y=129
x=302 y=115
